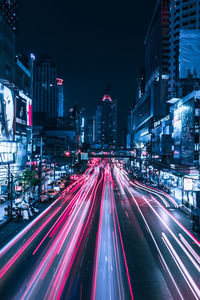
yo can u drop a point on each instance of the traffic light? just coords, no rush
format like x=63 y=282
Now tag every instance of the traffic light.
x=67 y=153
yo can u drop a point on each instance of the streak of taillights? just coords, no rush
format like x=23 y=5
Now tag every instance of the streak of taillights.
x=98 y=242
x=176 y=221
x=13 y=259
x=156 y=245
x=33 y=223
x=47 y=261
x=194 y=288
x=157 y=192
x=122 y=245
x=174 y=236
x=56 y=286
x=187 y=245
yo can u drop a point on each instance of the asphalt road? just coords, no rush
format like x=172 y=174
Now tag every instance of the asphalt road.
x=105 y=237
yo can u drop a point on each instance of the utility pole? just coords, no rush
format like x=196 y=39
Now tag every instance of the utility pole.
x=40 y=169
x=32 y=58
x=54 y=170
x=9 y=190
x=11 y=194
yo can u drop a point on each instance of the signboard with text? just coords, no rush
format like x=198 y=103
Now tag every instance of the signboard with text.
x=21 y=115
x=187 y=184
x=7 y=109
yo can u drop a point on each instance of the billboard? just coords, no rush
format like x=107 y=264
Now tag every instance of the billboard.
x=7 y=110
x=28 y=108
x=177 y=131
x=84 y=156
x=187 y=184
x=21 y=115
x=7 y=152
x=187 y=136
x=189 y=62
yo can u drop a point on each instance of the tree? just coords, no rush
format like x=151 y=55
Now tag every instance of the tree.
x=29 y=179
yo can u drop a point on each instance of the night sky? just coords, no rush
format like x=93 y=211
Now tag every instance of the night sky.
x=94 y=43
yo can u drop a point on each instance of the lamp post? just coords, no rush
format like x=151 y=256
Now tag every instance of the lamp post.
x=40 y=168
x=32 y=59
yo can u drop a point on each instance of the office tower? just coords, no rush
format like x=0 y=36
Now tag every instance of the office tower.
x=157 y=58
x=9 y=10
x=60 y=97
x=106 y=122
x=45 y=90
x=184 y=15
x=8 y=28
x=140 y=84
x=152 y=101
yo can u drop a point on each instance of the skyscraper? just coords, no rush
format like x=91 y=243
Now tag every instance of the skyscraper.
x=152 y=101
x=60 y=97
x=184 y=15
x=106 y=122
x=8 y=28
x=45 y=90
x=157 y=58
x=9 y=10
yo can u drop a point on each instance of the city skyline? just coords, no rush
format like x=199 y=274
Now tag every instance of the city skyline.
x=95 y=47
x=100 y=150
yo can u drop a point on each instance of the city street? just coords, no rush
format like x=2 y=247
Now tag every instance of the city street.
x=105 y=237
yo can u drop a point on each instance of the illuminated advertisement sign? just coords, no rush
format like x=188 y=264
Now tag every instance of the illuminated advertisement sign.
x=189 y=62
x=6 y=158
x=28 y=108
x=187 y=146
x=6 y=113
x=21 y=115
x=7 y=151
x=187 y=184
x=84 y=156
x=177 y=130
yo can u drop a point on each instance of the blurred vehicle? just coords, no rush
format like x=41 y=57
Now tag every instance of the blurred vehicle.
x=51 y=193
x=57 y=188
x=43 y=197
x=3 y=198
x=74 y=177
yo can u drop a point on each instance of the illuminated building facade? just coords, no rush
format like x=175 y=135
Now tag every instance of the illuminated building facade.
x=60 y=97
x=184 y=15
x=106 y=123
x=9 y=9
x=15 y=100
x=8 y=28
x=152 y=100
x=45 y=90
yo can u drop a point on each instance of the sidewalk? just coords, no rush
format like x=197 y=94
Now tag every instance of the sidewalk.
x=9 y=228
x=3 y=219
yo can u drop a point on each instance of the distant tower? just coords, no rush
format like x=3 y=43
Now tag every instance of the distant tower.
x=60 y=97
x=45 y=89
x=106 y=122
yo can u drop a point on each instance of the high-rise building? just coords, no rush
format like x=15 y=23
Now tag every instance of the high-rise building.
x=45 y=90
x=152 y=100
x=140 y=84
x=8 y=28
x=60 y=97
x=157 y=58
x=9 y=9
x=184 y=15
x=106 y=123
